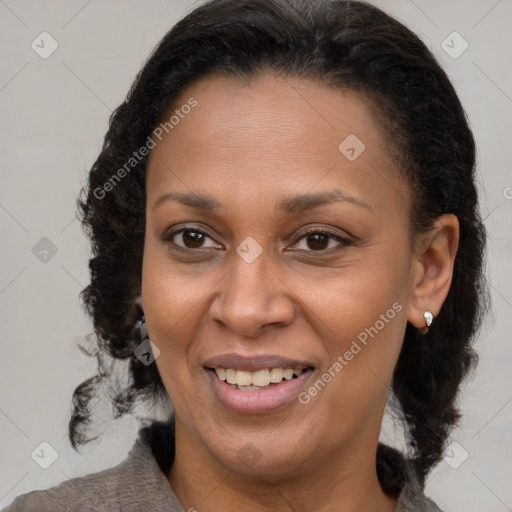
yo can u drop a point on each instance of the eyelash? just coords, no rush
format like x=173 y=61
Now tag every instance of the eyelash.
x=312 y=231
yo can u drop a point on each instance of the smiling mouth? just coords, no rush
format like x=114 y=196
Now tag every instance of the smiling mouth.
x=257 y=380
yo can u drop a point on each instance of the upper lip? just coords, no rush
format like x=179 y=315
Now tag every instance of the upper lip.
x=255 y=362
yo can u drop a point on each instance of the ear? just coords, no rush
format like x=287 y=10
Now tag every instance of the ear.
x=432 y=268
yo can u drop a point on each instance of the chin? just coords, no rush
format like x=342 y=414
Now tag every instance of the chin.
x=264 y=461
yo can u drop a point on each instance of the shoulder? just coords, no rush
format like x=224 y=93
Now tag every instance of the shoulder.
x=91 y=492
x=135 y=484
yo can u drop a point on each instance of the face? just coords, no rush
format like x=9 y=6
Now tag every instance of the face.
x=272 y=251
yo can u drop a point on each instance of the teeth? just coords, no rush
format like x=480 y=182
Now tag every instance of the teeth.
x=243 y=378
x=251 y=388
x=259 y=379
x=276 y=375
x=231 y=376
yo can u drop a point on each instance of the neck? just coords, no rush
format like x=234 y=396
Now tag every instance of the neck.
x=345 y=482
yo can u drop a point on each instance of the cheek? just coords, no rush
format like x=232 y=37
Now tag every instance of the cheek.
x=364 y=299
x=166 y=302
x=168 y=293
x=168 y=310
x=364 y=308
x=175 y=310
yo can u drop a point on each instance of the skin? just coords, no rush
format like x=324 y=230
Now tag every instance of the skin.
x=250 y=144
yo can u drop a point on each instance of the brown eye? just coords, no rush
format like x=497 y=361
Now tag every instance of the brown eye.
x=192 y=239
x=317 y=242
x=189 y=238
x=321 y=241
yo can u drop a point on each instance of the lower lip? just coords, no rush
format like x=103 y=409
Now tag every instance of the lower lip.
x=258 y=402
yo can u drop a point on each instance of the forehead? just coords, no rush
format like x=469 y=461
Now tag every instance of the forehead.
x=230 y=110
x=272 y=134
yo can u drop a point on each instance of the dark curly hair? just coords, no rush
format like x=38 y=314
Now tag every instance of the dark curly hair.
x=344 y=44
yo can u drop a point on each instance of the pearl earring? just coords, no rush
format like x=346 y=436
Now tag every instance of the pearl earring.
x=141 y=324
x=427 y=315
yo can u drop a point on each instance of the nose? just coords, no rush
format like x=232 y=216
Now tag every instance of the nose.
x=252 y=297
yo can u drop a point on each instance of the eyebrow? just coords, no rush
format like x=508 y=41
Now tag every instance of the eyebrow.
x=289 y=205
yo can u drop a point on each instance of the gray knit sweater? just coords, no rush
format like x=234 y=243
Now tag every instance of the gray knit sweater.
x=139 y=484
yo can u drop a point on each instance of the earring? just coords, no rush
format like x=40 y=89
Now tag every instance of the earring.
x=141 y=324
x=427 y=315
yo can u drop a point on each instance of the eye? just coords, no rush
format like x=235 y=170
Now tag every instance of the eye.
x=189 y=238
x=314 y=240
x=321 y=240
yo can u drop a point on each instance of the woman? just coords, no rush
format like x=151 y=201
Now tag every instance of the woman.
x=285 y=206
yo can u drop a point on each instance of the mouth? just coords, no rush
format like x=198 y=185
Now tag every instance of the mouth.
x=259 y=384
x=259 y=379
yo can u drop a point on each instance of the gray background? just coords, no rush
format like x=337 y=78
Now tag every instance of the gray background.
x=54 y=114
